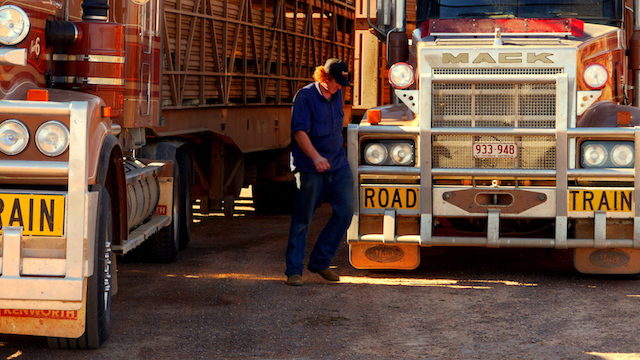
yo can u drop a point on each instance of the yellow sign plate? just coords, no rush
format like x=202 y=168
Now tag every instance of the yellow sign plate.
x=37 y=214
x=604 y=200
x=385 y=197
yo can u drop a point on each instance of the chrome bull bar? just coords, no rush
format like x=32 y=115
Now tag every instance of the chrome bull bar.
x=63 y=291
x=563 y=134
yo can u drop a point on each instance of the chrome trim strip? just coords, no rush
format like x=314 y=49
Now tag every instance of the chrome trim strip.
x=88 y=80
x=78 y=188
x=11 y=251
x=13 y=56
x=494 y=172
x=388 y=129
x=90 y=58
x=142 y=233
x=389 y=226
x=388 y=170
x=600 y=229
x=493 y=78
x=502 y=242
x=562 y=158
x=24 y=168
x=352 y=155
x=425 y=170
x=493 y=228
x=493 y=131
x=16 y=107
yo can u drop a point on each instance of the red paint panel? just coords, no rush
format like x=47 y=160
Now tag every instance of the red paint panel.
x=573 y=26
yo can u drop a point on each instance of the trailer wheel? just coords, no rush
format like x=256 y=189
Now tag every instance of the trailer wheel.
x=99 y=289
x=184 y=162
x=274 y=197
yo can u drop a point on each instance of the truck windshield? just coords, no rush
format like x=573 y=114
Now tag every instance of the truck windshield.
x=593 y=11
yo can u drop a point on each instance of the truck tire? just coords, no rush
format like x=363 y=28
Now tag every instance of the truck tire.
x=99 y=290
x=274 y=197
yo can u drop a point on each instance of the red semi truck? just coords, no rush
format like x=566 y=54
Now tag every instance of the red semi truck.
x=116 y=115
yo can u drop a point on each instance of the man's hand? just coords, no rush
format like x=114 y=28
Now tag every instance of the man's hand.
x=321 y=164
x=319 y=161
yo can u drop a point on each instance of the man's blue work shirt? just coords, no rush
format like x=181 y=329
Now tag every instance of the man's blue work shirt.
x=321 y=119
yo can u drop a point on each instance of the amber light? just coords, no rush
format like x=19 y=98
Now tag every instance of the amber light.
x=106 y=111
x=374 y=116
x=38 y=95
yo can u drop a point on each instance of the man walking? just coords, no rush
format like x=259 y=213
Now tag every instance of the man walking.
x=322 y=171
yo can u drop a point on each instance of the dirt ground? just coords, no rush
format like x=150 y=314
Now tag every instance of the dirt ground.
x=225 y=299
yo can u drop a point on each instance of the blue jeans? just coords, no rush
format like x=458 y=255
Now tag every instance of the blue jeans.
x=336 y=187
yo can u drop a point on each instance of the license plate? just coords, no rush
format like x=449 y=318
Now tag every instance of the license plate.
x=482 y=150
x=385 y=197
x=37 y=214
x=605 y=200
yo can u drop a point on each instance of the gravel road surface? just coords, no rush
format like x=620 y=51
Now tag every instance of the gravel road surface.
x=225 y=298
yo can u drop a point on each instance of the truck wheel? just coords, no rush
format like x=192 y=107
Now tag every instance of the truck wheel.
x=99 y=290
x=274 y=197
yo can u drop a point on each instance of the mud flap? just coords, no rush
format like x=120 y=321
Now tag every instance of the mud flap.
x=384 y=256
x=607 y=261
x=58 y=323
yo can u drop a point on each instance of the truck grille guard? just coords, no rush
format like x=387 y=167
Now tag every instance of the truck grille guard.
x=562 y=134
x=64 y=288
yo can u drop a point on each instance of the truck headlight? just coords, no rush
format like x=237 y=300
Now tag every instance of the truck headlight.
x=607 y=154
x=595 y=76
x=375 y=154
x=401 y=154
x=622 y=155
x=14 y=137
x=388 y=152
x=52 y=138
x=14 y=25
x=401 y=75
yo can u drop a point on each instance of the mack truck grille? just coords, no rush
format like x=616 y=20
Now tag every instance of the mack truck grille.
x=455 y=151
x=494 y=105
x=519 y=105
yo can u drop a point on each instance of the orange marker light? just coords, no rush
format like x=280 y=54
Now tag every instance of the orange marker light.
x=623 y=118
x=466 y=182
x=38 y=95
x=106 y=111
x=374 y=116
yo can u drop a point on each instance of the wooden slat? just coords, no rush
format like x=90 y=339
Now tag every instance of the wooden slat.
x=249 y=51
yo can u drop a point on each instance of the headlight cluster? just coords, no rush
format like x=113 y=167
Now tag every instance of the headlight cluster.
x=389 y=152
x=52 y=137
x=607 y=154
x=14 y=25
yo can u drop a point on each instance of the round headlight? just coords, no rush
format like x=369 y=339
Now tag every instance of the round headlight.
x=14 y=137
x=52 y=138
x=401 y=154
x=14 y=25
x=593 y=155
x=622 y=155
x=375 y=154
x=401 y=75
x=595 y=76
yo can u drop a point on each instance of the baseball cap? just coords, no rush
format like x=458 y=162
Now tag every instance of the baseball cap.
x=339 y=70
